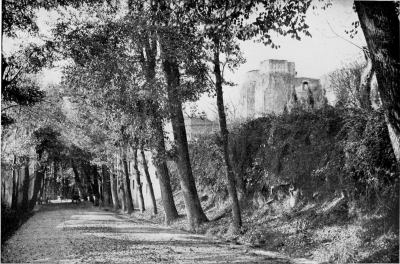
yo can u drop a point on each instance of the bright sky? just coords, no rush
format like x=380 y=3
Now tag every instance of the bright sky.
x=313 y=57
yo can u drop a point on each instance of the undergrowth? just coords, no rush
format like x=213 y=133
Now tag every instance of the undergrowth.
x=342 y=161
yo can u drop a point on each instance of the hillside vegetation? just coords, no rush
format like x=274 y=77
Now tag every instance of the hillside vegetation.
x=342 y=165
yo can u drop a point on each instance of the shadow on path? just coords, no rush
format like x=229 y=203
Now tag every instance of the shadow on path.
x=81 y=233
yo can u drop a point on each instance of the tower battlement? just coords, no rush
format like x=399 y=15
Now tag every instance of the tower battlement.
x=277 y=66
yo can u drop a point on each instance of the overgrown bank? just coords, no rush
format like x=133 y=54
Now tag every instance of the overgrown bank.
x=340 y=161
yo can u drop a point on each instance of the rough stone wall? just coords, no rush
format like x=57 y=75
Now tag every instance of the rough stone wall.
x=248 y=93
x=274 y=87
x=266 y=90
x=306 y=93
x=272 y=93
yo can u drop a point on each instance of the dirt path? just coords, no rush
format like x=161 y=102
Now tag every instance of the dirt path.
x=70 y=233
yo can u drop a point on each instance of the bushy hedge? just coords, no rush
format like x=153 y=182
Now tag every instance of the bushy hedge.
x=299 y=148
x=369 y=161
x=326 y=150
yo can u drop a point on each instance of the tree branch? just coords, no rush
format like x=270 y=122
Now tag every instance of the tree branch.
x=8 y=107
x=343 y=37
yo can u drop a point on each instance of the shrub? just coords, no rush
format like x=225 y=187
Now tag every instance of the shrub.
x=370 y=161
x=326 y=150
x=208 y=165
x=292 y=148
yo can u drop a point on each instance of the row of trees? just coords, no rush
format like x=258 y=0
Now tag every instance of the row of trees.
x=61 y=164
x=129 y=67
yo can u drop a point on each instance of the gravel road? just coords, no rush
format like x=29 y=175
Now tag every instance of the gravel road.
x=81 y=233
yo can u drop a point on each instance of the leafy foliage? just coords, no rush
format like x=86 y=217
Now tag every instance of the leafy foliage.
x=17 y=17
x=20 y=86
x=21 y=15
x=370 y=161
x=286 y=149
x=24 y=91
x=327 y=150
x=209 y=166
x=345 y=82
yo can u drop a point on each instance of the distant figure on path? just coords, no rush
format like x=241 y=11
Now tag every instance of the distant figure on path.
x=76 y=198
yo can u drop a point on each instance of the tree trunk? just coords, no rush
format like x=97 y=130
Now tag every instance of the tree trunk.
x=195 y=213
x=148 y=179
x=236 y=215
x=160 y=163
x=39 y=174
x=106 y=185
x=17 y=189
x=14 y=201
x=138 y=182
x=42 y=187
x=95 y=185
x=120 y=182
x=54 y=180
x=395 y=139
x=78 y=183
x=114 y=190
x=3 y=189
x=127 y=182
x=365 y=83
x=87 y=171
x=380 y=24
x=25 y=188
x=159 y=158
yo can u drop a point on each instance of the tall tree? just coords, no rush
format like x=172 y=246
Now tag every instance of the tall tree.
x=172 y=40
x=120 y=182
x=223 y=23
x=127 y=183
x=47 y=144
x=380 y=23
x=148 y=179
x=104 y=60
x=106 y=185
x=149 y=64
x=39 y=176
x=25 y=187
x=14 y=200
x=95 y=185
x=114 y=189
x=170 y=211
x=237 y=219
x=78 y=182
x=196 y=215
x=138 y=185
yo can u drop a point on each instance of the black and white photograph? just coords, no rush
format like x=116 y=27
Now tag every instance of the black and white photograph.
x=200 y=131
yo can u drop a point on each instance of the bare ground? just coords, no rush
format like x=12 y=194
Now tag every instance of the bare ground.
x=81 y=233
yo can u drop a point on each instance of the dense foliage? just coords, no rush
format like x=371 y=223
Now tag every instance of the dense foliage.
x=328 y=150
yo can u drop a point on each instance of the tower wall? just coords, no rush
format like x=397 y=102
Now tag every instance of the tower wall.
x=273 y=85
x=271 y=88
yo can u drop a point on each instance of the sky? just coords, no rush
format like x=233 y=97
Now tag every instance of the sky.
x=314 y=57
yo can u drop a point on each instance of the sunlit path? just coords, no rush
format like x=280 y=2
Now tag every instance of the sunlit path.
x=79 y=233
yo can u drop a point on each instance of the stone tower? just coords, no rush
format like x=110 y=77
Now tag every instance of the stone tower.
x=275 y=87
x=267 y=89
